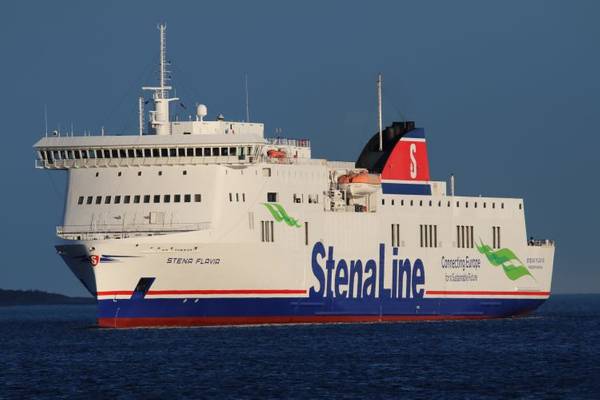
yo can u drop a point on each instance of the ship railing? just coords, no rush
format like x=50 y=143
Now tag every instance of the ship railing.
x=288 y=142
x=541 y=242
x=117 y=231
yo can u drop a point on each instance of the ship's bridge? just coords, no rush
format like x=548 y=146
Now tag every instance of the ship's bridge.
x=66 y=152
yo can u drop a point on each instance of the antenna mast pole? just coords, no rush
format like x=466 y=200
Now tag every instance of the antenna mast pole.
x=46 y=118
x=379 y=112
x=141 y=116
x=163 y=60
x=247 y=104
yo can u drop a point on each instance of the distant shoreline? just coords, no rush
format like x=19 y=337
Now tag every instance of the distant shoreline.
x=38 y=297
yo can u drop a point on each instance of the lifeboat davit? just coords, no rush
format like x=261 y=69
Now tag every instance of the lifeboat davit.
x=359 y=184
x=276 y=153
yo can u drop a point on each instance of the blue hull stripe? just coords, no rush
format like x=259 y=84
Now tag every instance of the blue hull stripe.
x=255 y=307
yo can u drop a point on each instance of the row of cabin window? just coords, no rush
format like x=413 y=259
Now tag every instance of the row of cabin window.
x=428 y=235
x=51 y=155
x=449 y=203
x=237 y=197
x=137 y=199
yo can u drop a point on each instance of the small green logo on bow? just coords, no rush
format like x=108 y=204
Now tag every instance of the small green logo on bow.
x=279 y=213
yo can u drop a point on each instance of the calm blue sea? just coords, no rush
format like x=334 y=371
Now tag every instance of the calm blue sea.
x=57 y=352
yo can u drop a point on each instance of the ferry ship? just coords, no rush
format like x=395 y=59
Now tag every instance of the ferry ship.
x=208 y=222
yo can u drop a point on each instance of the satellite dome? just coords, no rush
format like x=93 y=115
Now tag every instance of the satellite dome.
x=201 y=111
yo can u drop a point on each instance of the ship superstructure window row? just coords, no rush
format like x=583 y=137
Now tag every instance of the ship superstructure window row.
x=156 y=198
x=464 y=236
x=449 y=203
x=496 y=237
x=138 y=153
x=267 y=231
x=428 y=235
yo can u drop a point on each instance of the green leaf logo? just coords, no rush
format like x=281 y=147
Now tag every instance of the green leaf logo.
x=279 y=213
x=512 y=266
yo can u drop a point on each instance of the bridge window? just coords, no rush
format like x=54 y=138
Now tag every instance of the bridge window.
x=187 y=198
x=215 y=151
x=130 y=153
x=181 y=152
x=167 y=198
x=198 y=151
x=92 y=153
x=136 y=199
x=117 y=199
x=172 y=152
x=146 y=198
x=190 y=151
x=224 y=151
x=148 y=153
x=89 y=200
x=206 y=152
x=107 y=200
x=80 y=200
x=197 y=198
x=156 y=198
x=139 y=153
x=98 y=199
x=127 y=199
x=177 y=198
x=122 y=153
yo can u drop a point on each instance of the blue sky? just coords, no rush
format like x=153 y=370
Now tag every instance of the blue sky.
x=508 y=93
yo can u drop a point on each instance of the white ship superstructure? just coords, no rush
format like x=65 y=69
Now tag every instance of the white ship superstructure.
x=209 y=222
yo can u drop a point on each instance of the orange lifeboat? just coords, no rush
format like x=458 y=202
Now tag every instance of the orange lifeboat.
x=359 y=184
x=276 y=154
x=363 y=177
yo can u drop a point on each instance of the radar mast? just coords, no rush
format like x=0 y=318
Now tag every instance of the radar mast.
x=159 y=118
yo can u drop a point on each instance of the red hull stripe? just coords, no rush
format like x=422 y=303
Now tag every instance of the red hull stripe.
x=211 y=321
x=206 y=292
x=486 y=293
x=301 y=291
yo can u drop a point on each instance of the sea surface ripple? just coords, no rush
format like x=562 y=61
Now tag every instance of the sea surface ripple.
x=57 y=352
